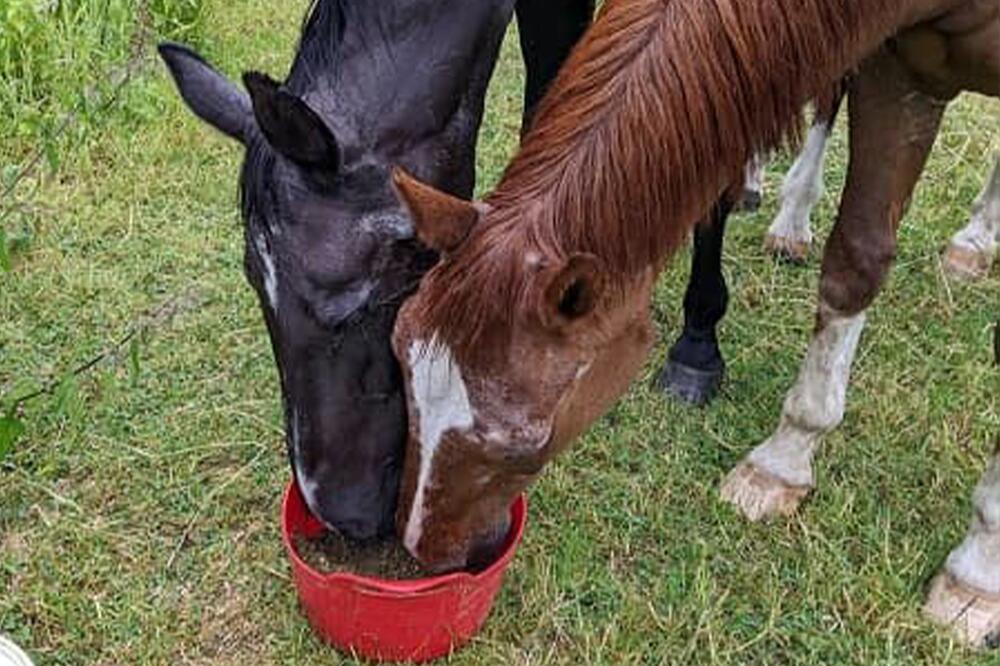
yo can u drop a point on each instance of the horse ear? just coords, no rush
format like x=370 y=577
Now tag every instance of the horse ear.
x=571 y=291
x=290 y=126
x=441 y=221
x=211 y=96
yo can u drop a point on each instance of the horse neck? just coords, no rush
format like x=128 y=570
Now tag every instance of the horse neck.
x=347 y=41
x=660 y=106
x=395 y=74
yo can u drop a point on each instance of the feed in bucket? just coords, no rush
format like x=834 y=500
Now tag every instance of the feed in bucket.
x=393 y=620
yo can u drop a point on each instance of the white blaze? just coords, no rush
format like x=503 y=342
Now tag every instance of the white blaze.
x=270 y=276
x=442 y=404
x=308 y=487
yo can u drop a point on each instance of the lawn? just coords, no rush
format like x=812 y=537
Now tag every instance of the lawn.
x=138 y=514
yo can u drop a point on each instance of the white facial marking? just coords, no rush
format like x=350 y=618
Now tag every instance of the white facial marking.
x=442 y=404
x=270 y=276
x=308 y=487
x=802 y=188
x=982 y=234
x=976 y=561
x=815 y=405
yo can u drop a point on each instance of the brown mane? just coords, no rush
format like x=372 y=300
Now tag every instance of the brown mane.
x=652 y=116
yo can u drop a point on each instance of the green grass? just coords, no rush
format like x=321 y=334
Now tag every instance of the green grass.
x=138 y=518
x=61 y=61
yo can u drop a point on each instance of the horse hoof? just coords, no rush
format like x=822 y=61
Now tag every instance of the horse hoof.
x=964 y=263
x=689 y=385
x=749 y=202
x=972 y=617
x=758 y=494
x=788 y=249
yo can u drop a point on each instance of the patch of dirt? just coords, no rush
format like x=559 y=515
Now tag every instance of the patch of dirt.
x=15 y=545
x=330 y=552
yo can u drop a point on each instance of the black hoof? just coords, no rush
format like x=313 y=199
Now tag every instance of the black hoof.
x=689 y=385
x=749 y=202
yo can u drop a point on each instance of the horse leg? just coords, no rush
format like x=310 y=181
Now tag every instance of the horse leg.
x=965 y=595
x=971 y=251
x=695 y=367
x=889 y=117
x=548 y=30
x=789 y=236
x=753 y=185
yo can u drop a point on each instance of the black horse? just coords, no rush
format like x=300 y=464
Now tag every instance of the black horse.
x=328 y=249
x=695 y=367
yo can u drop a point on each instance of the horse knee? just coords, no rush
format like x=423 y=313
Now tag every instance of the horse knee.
x=854 y=270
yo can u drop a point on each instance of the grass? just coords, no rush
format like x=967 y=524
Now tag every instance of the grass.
x=60 y=61
x=138 y=516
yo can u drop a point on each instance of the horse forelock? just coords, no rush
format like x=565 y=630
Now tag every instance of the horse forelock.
x=650 y=119
x=254 y=190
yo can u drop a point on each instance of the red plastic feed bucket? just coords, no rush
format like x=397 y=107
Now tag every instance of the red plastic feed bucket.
x=388 y=620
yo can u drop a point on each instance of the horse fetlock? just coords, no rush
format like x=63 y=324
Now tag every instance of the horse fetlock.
x=972 y=615
x=815 y=417
x=976 y=561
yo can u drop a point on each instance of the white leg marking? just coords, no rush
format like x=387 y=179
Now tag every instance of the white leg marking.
x=976 y=561
x=776 y=475
x=966 y=594
x=801 y=189
x=442 y=404
x=972 y=250
x=308 y=487
x=270 y=276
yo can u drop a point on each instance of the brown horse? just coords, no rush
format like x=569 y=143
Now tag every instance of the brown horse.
x=536 y=317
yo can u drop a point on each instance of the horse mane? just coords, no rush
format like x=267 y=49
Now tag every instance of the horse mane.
x=653 y=115
x=322 y=30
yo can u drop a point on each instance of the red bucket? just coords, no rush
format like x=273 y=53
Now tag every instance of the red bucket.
x=393 y=620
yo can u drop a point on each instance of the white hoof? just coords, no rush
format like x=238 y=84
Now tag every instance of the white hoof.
x=789 y=249
x=973 y=617
x=757 y=494
x=966 y=263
